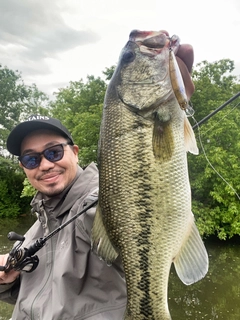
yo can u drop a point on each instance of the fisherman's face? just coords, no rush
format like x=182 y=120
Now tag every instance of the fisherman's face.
x=50 y=178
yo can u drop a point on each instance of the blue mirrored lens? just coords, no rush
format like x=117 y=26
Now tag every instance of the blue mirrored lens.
x=31 y=161
x=52 y=154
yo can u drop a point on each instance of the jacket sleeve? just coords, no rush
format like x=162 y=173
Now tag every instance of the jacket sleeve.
x=9 y=292
x=85 y=221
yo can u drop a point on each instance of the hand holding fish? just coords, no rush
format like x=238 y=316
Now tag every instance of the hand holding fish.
x=185 y=58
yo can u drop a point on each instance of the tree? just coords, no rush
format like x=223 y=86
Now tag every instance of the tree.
x=11 y=185
x=214 y=174
x=109 y=72
x=17 y=101
x=79 y=107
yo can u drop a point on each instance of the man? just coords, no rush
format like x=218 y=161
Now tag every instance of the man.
x=70 y=282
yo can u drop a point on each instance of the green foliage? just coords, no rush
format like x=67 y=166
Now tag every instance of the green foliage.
x=17 y=101
x=79 y=107
x=214 y=174
x=28 y=190
x=11 y=187
x=7 y=207
x=86 y=132
x=109 y=72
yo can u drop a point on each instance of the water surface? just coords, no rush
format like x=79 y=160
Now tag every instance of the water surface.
x=217 y=296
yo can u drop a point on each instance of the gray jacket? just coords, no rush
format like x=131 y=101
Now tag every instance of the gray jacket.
x=70 y=282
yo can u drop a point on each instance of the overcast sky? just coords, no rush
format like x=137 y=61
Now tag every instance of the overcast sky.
x=53 y=42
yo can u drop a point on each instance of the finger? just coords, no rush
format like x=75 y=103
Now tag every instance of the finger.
x=186 y=54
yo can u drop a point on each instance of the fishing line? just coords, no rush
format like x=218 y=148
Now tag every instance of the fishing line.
x=203 y=133
x=204 y=152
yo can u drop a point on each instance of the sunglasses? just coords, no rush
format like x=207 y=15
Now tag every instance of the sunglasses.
x=53 y=154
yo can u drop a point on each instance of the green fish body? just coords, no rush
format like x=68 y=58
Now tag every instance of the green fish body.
x=144 y=211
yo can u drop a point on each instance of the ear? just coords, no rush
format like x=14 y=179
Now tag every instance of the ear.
x=75 y=149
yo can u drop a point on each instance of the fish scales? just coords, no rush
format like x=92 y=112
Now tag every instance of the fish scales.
x=144 y=212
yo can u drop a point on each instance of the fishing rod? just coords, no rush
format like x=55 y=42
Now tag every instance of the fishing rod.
x=24 y=259
x=215 y=111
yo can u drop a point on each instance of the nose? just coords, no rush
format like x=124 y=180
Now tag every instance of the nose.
x=45 y=164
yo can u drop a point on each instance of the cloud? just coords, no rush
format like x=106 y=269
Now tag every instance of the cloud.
x=35 y=30
x=53 y=42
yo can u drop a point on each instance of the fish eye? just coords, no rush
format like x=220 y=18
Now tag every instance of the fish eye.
x=128 y=56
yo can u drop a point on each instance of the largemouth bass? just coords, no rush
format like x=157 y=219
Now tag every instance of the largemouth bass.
x=144 y=211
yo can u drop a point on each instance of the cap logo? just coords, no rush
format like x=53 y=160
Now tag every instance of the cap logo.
x=37 y=117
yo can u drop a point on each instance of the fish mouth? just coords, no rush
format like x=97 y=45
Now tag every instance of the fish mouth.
x=151 y=43
x=150 y=39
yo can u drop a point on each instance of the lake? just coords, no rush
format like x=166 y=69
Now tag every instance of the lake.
x=217 y=296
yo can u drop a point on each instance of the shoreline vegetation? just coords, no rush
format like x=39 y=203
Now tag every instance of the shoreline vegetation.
x=215 y=203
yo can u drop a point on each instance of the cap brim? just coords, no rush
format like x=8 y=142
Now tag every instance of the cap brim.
x=18 y=134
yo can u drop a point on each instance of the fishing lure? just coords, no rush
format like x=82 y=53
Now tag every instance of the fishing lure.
x=177 y=81
x=178 y=84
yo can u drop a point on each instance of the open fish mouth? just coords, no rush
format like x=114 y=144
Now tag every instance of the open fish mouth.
x=154 y=40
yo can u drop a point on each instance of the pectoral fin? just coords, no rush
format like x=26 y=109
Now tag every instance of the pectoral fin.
x=162 y=140
x=101 y=243
x=189 y=137
x=191 y=263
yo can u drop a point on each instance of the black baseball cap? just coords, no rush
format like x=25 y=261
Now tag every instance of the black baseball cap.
x=34 y=122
